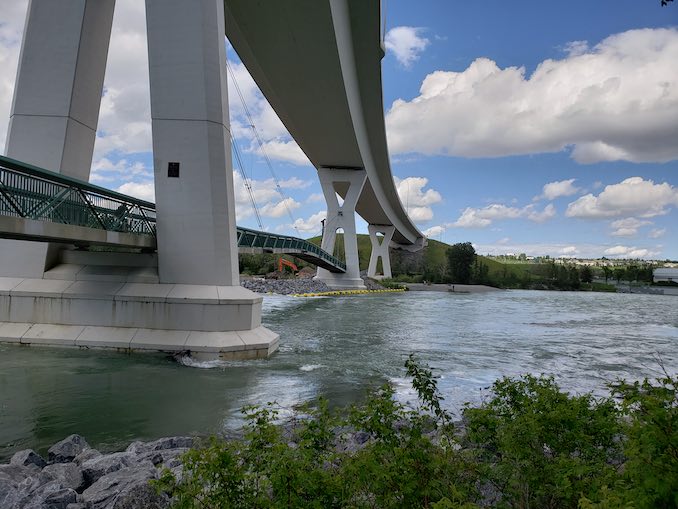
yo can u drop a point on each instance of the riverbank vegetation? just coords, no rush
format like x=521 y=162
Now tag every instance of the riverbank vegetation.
x=435 y=264
x=528 y=445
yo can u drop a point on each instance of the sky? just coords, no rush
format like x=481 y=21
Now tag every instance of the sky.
x=544 y=128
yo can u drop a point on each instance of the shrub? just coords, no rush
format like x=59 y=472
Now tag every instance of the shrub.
x=540 y=447
x=529 y=445
x=650 y=441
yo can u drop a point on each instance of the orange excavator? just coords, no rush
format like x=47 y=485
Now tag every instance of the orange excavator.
x=282 y=262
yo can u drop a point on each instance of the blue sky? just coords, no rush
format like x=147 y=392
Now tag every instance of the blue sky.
x=536 y=127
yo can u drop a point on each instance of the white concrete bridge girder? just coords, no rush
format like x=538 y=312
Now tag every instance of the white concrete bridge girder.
x=380 y=250
x=341 y=216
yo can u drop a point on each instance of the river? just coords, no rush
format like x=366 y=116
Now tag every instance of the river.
x=337 y=347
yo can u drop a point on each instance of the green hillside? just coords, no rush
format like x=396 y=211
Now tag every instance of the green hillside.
x=428 y=264
x=431 y=262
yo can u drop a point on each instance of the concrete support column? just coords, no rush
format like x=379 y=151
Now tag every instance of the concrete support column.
x=191 y=143
x=56 y=103
x=380 y=250
x=341 y=216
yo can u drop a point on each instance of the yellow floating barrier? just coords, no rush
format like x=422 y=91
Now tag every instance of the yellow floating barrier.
x=347 y=292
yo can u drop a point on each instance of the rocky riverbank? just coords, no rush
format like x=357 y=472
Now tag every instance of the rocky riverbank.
x=76 y=476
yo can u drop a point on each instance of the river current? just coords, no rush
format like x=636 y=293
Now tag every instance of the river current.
x=337 y=347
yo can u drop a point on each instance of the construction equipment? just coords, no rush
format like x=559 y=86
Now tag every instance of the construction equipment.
x=282 y=262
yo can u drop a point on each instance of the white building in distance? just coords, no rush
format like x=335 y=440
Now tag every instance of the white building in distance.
x=665 y=275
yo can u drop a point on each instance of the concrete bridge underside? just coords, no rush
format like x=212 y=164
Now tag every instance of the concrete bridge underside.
x=318 y=63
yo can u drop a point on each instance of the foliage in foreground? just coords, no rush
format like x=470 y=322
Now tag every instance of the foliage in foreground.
x=529 y=445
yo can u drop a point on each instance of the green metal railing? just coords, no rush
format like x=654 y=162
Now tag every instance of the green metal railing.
x=264 y=240
x=34 y=193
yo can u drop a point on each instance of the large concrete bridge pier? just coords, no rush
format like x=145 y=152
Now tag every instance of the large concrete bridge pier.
x=380 y=246
x=350 y=183
x=55 y=110
x=196 y=303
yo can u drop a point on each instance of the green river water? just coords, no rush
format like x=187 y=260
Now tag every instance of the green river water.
x=337 y=347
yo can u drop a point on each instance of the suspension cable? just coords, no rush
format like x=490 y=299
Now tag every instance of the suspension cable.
x=261 y=145
x=246 y=181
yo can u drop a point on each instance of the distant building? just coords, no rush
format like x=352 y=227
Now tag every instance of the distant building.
x=665 y=275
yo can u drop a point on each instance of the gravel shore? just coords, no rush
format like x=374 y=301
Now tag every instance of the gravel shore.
x=294 y=286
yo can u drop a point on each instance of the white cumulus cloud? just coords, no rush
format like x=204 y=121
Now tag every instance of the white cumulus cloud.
x=417 y=200
x=631 y=252
x=269 y=201
x=656 y=233
x=627 y=227
x=483 y=217
x=434 y=231
x=141 y=190
x=554 y=190
x=633 y=196
x=280 y=208
x=569 y=251
x=311 y=225
x=617 y=100
x=406 y=43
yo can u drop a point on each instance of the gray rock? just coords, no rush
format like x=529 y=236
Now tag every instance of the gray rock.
x=361 y=437
x=163 y=444
x=37 y=497
x=168 y=457
x=28 y=457
x=284 y=286
x=68 y=474
x=66 y=450
x=103 y=492
x=139 y=496
x=17 y=473
x=94 y=469
x=177 y=472
x=78 y=505
x=142 y=449
x=9 y=495
x=85 y=455
x=60 y=499
x=33 y=481
x=137 y=447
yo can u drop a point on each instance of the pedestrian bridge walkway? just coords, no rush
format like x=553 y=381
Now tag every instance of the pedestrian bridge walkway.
x=40 y=205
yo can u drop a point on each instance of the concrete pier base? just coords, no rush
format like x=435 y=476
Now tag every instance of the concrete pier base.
x=93 y=300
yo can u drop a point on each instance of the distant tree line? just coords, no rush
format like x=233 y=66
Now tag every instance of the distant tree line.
x=464 y=267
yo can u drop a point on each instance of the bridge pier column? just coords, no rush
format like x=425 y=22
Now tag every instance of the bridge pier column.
x=341 y=217
x=380 y=250
x=56 y=104
x=191 y=143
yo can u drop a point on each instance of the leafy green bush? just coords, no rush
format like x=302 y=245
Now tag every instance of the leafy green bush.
x=529 y=445
x=540 y=447
x=651 y=441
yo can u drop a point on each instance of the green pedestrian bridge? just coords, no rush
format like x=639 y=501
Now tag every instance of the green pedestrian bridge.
x=41 y=205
